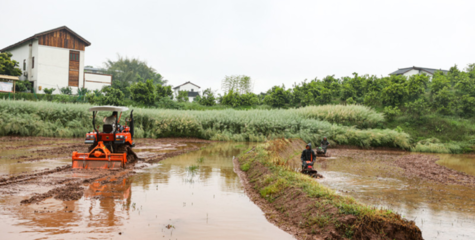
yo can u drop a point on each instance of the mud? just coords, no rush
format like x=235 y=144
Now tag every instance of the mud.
x=422 y=166
x=302 y=216
x=194 y=195
x=64 y=183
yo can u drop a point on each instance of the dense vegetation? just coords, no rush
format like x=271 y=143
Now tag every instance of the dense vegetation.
x=28 y=118
x=437 y=112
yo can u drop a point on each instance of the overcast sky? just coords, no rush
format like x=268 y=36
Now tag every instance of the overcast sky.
x=274 y=42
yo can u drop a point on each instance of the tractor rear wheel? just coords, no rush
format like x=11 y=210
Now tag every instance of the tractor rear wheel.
x=131 y=156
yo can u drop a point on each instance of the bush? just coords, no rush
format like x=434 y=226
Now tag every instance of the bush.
x=66 y=90
x=391 y=112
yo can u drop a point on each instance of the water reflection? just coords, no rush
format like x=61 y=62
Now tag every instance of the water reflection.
x=191 y=196
x=440 y=211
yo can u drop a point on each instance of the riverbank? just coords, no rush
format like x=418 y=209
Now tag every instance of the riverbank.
x=303 y=207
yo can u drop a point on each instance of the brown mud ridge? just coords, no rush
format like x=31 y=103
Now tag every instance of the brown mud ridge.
x=422 y=166
x=61 y=182
x=308 y=217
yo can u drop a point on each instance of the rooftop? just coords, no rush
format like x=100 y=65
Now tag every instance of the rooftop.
x=46 y=32
x=428 y=70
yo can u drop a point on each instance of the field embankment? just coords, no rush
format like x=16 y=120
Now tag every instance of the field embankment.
x=303 y=207
x=50 y=119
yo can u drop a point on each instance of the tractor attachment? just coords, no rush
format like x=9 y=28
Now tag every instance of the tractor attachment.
x=99 y=158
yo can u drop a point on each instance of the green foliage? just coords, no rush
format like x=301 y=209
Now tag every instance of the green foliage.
x=240 y=84
x=391 y=112
x=143 y=92
x=66 y=90
x=132 y=70
x=82 y=91
x=208 y=98
x=8 y=66
x=350 y=101
x=23 y=86
x=276 y=97
x=226 y=125
x=417 y=108
x=49 y=91
x=164 y=91
x=182 y=96
x=112 y=97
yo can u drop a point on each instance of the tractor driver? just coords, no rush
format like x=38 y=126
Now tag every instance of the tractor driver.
x=111 y=120
x=324 y=144
x=308 y=154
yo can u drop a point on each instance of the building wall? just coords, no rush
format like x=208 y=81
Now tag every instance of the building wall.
x=53 y=68
x=414 y=72
x=188 y=87
x=94 y=81
x=19 y=54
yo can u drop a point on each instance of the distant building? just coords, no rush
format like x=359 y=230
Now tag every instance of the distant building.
x=416 y=70
x=192 y=89
x=55 y=59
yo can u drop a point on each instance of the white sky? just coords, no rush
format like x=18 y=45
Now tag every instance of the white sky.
x=274 y=42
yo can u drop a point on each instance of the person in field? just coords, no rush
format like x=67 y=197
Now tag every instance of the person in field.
x=324 y=144
x=308 y=154
x=111 y=119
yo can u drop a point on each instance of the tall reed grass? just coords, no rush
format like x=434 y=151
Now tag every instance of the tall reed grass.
x=72 y=120
x=358 y=115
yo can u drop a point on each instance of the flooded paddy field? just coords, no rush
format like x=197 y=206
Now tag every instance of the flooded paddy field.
x=441 y=200
x=187 y=189
x=181 y=189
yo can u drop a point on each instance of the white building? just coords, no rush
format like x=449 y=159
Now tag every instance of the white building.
x=55 y=59
x=192 y=89
x=416 y=70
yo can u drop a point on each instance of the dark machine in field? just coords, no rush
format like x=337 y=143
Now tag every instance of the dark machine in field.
x=112 y=147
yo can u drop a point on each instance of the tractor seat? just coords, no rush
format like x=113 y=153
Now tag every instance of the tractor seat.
x=107 y=128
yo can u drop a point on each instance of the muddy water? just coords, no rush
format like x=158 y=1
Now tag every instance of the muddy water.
x=461 y=162
x=440 y=211
x=192 y=196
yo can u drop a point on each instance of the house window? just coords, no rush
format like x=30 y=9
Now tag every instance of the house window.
x=33 y=62
x=74 y=56
x=192 y=90
x=24 y=64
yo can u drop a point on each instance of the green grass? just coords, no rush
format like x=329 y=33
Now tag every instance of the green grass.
x=277 y=180
x=51 y=119
x=282 y=177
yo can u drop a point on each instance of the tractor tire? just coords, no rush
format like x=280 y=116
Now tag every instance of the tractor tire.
x=131 y=156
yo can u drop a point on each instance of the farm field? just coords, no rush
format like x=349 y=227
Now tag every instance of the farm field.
x=187 y=189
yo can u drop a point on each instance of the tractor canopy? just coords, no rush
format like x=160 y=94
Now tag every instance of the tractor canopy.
x=108 y=109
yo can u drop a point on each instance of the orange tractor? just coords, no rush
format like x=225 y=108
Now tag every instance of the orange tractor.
x=111 y=148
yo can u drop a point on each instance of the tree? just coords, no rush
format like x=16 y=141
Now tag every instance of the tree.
x=8 y=66
x=249 y=99
x=22 y=86
x=143 y=92
x=112 y=96
x=277 y=97
x=208 y=98
x=417 y=108
x=182 y=96
x=240 y=84
x=132 y=70
x=416 y=85
x=164 y=91
x=444 y=101
x=232 y=99
x=439 y=81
